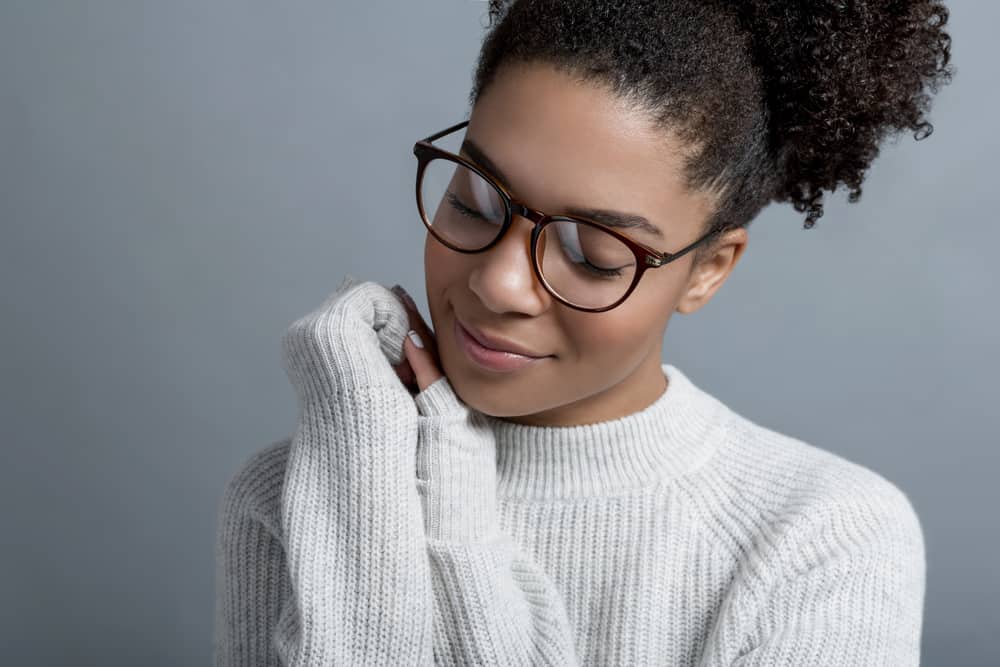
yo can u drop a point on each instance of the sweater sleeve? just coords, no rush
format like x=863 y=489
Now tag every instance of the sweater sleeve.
x=352 y=546
x=350 y=514
x=252 y=583
x=321 y=557
x=353 y=533
x=844 y=585
x=493 y=604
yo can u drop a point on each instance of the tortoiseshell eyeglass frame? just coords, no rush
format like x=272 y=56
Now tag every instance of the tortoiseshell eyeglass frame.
x=645 y=257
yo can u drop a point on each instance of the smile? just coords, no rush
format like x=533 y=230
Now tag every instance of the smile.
x=489 y=358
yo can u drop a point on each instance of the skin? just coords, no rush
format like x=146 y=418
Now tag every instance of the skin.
x=563 y=143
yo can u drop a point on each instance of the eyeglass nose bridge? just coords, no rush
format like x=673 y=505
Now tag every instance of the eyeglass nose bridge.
x=517 y=208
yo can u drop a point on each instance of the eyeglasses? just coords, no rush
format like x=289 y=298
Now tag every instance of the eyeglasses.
x=582 y=263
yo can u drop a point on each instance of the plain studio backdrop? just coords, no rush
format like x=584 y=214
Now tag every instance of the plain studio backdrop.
x=180 y=181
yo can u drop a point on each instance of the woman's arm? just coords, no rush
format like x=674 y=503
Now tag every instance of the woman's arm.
x=252 y=585
x=841 y=583
x=493 y=604
x=350 y=513
x=351 y=529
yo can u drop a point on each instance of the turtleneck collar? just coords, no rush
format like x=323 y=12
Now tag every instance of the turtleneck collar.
x=669 y=437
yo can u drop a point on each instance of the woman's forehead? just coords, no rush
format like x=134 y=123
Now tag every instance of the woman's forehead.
x=559 y=142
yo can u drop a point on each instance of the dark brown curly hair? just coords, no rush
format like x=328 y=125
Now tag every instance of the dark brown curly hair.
x=778 y=99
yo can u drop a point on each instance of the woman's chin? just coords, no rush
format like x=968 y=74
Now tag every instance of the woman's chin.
x=500 y=400
x=497 y=393
x=477 y=393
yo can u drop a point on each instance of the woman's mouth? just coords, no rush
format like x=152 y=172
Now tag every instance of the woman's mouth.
x=488 y=358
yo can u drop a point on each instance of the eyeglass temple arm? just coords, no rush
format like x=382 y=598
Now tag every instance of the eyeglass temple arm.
x=666 y=257
x=438 y=135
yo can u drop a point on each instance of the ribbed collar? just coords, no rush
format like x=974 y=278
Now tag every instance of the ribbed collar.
x=671 y=436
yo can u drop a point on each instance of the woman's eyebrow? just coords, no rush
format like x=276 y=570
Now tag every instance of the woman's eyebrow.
x=606 y=217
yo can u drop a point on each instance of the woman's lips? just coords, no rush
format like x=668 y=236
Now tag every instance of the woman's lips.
x=494 y=360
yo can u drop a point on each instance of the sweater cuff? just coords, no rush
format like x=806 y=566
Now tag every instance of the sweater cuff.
x=439 y=399
x=455 y=468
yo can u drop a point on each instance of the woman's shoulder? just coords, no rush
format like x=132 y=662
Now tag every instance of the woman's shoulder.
x=763 y=483
x=254 y=489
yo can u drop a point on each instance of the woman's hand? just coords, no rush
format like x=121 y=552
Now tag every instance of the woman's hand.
x=421 y=366
x=352 y=340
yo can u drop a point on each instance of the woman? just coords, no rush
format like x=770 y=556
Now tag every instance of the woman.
x=528 y=483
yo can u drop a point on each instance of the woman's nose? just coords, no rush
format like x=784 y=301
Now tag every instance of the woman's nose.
x=504 y=279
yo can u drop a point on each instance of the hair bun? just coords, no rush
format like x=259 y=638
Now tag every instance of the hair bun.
x=839 y=76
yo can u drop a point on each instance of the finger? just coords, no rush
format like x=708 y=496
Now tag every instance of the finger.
x=420 y=346
x=416 y=320
x=418 y=323
x=425 y=366
x=405 y=373
x=411 y=306
x=427 y=337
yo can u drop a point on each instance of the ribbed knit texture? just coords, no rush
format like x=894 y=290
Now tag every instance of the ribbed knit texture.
x=398 y=530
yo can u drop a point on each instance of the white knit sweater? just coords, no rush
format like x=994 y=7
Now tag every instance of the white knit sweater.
x=393 y=530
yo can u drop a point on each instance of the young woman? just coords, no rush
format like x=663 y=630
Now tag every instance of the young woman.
x=529 y=483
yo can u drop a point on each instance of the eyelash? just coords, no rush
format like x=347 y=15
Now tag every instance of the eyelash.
x=463 y=209
x=457 y=204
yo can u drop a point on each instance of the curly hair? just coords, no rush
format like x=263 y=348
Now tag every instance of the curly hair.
x=777 y=100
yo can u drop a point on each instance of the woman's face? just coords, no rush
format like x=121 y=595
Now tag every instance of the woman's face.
x=561 y=143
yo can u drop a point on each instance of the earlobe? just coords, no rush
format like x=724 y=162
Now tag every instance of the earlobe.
x=685 y=308
x=709 y=275
x=714 y=272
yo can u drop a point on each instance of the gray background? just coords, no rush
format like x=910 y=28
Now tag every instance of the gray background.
x=179 y=181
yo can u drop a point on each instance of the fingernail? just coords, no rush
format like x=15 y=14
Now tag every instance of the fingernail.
x=415 y=337
x=402 y=290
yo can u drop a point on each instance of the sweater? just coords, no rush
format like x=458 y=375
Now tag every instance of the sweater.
x=392 y=529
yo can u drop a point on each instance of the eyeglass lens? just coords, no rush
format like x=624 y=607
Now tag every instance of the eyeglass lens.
x=581 y=263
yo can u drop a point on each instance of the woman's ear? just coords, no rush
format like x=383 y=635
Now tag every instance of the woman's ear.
x=711 y=271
